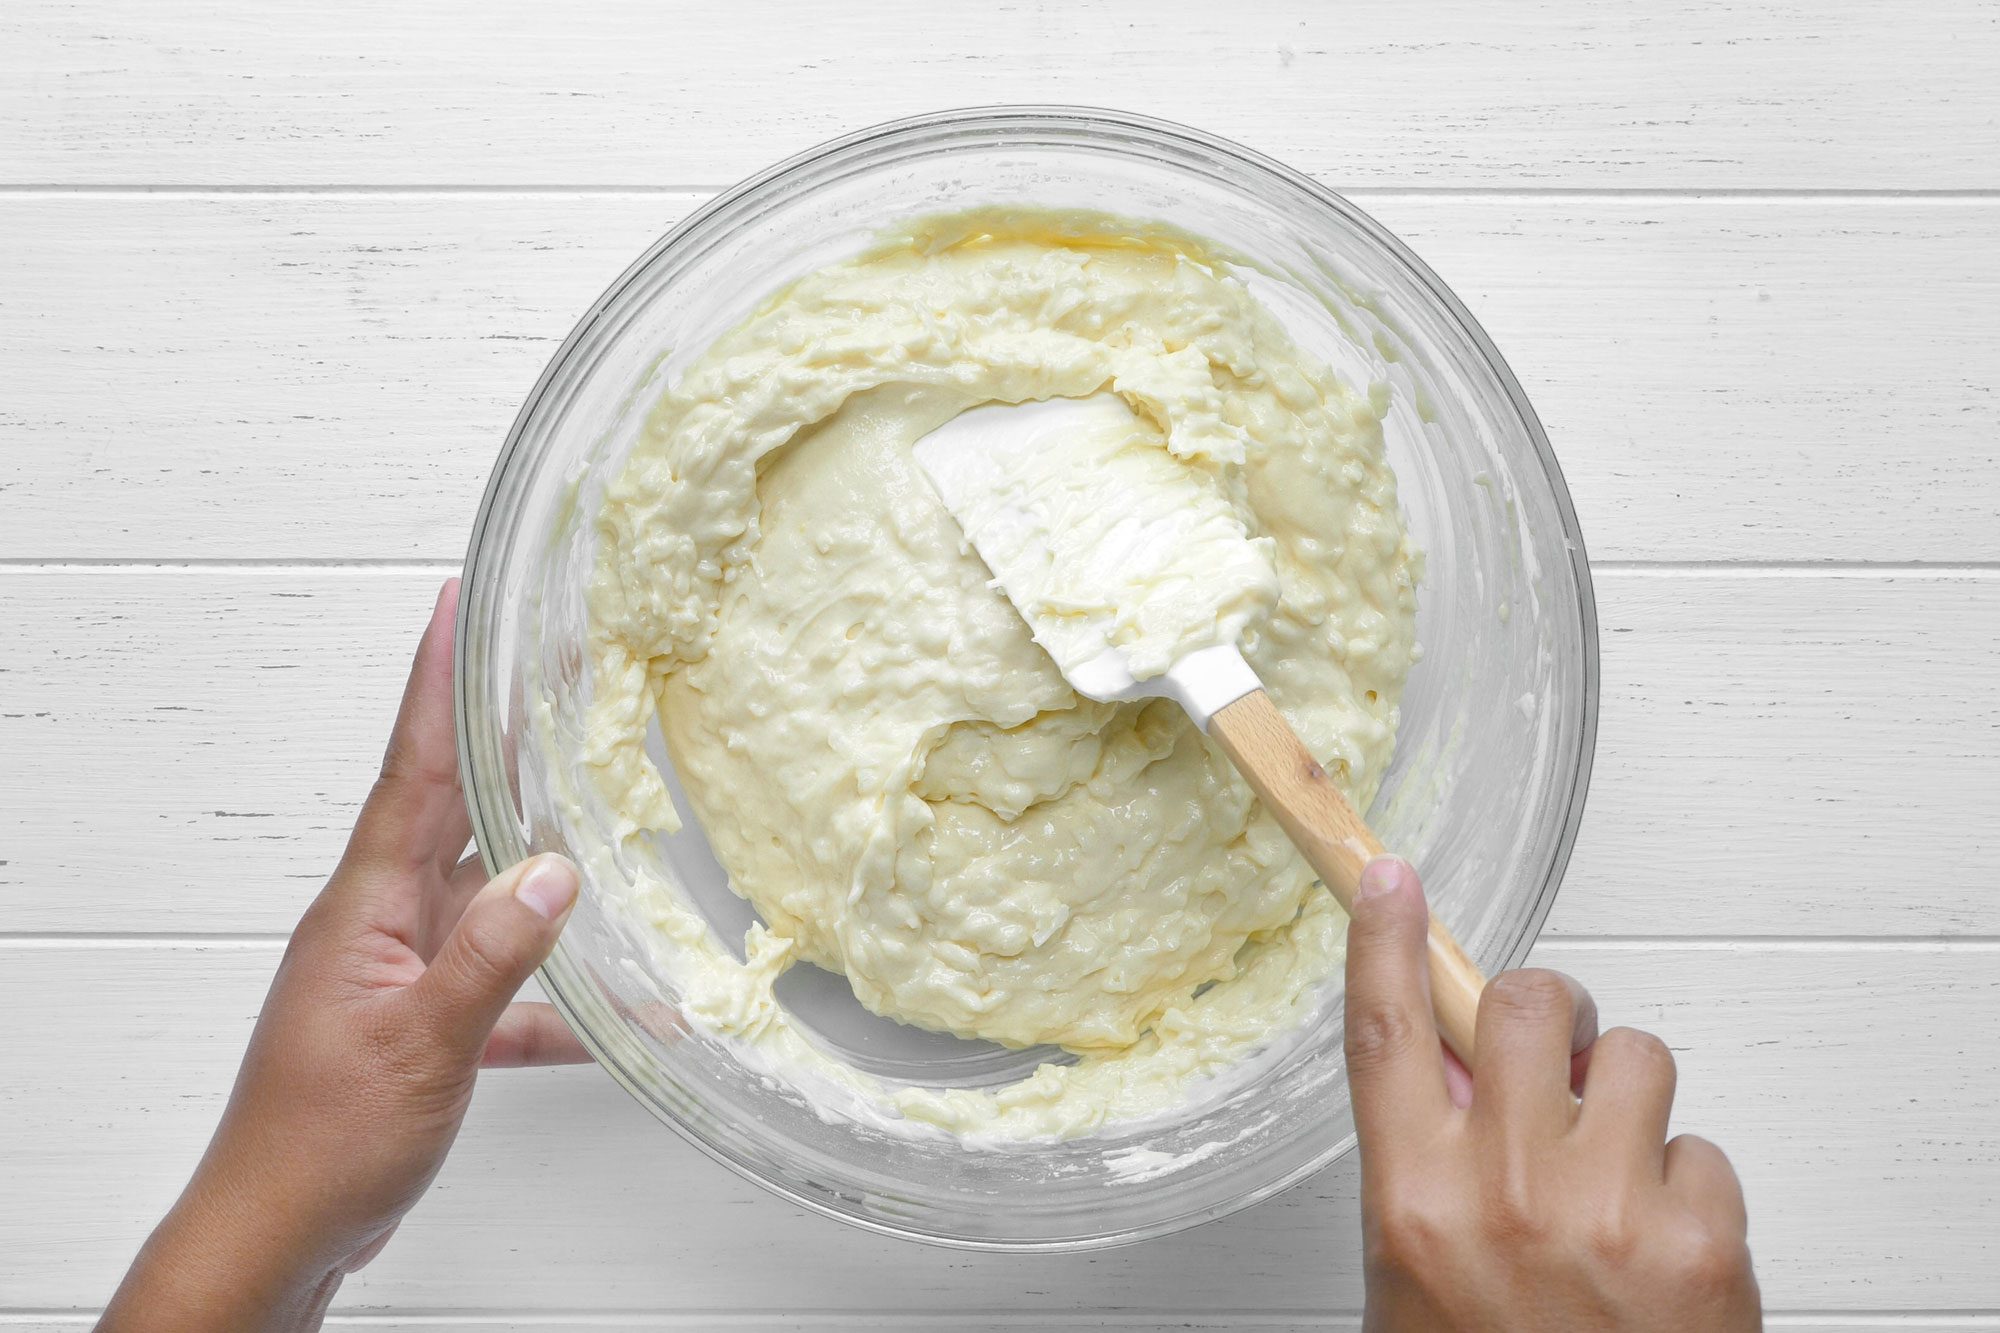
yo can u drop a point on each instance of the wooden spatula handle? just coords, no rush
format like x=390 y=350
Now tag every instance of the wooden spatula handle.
x=1335 y=842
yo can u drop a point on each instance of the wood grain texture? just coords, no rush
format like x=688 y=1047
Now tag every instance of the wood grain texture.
x=1673 y=95
x=187 y=748
x=1338 y=844
x=959 y=1321
x=1839 y=1079
x=331 y=376
x=1682 y=224
x=737 y=1321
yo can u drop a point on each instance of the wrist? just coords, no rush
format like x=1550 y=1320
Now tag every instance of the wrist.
x=221 y=1259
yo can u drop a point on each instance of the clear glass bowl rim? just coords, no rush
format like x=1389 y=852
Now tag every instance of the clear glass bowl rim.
x=482 y=768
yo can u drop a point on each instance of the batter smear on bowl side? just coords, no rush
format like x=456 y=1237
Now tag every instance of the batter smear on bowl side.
x=887 y=765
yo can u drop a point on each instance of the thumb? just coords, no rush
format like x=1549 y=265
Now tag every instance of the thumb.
x=507 y=930
x=1396 y=1080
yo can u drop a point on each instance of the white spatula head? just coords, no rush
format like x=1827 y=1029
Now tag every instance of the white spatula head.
x=1123 y=559
x=1136 y=575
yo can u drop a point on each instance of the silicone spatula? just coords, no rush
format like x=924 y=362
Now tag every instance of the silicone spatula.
x=1105 y=573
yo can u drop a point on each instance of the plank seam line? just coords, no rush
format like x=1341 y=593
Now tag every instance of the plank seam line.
x=352 y=188
x=1692 y=192
x=990 y=1314
x=1970 y=943
x=1782 y=568
x=1745 y=568
x=279 y=563
x=927 y=1318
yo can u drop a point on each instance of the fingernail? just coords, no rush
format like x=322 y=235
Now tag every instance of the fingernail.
x=548 y=887
x=1384 y=874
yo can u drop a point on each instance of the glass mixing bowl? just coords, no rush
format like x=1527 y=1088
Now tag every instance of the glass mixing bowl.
x=1498 y=722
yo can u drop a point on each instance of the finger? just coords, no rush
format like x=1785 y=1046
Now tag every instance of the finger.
x=1700 y=1175
x=1628 y=1096
x=1583 y=1026
x=1579 y=1068
x=454 y=835
x=531 y=1033
x=1394 y=1074
x=1528 y=1020
x=507 y=930
x=467 y=878
x=1582 y=1034
x=660 y=1019
x=1457 y=1080
x=444 y=900
x=416 y=803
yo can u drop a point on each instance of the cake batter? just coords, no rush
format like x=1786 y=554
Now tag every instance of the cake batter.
x=887 y=765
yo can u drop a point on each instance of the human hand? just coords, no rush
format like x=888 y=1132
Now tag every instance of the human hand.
x=394 y=991
x=1499 y=1201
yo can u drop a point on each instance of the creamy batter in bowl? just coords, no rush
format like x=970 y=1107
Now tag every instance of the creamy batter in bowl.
x=803 y=1089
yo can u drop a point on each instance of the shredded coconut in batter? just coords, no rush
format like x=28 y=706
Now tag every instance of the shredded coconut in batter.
x=889 y=768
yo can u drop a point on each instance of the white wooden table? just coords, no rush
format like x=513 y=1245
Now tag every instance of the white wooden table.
x=273 y=280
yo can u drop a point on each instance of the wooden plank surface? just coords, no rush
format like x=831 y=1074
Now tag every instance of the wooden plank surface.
x=188 y=747
x=931 y=1321
x=1689 y=95
x=730 y=1321
x=273 y=282
x=330 y=376
x=1839 y=1079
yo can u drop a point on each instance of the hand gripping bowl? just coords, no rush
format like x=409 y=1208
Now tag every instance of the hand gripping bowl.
x=1498 y=725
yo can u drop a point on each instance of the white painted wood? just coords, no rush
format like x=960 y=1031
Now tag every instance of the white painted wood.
x=330 y=376
x=931 y=1321
x=1685 y=95
x=1846 y=1082
x=703 y=1321
x=281 y=377
x=267 y=376
x=1795 y=379
x=720 y=1321
x=1792 y=755
x=187 y=748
